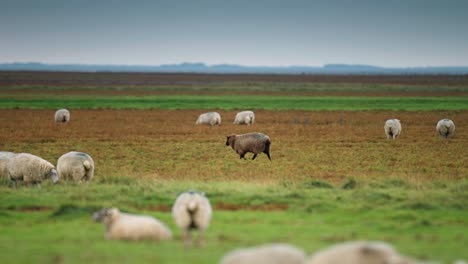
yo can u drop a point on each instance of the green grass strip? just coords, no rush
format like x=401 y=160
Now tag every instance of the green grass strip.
x=234 y=102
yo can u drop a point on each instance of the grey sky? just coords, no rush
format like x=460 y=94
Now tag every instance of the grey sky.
x=151 y=32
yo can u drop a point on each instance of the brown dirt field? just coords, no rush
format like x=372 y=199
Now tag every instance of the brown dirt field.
x=8 y=78
x=166 y=145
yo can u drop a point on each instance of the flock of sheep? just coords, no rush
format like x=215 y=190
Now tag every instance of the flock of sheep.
x=192 y=210
x=444 y=127
x=31 y=169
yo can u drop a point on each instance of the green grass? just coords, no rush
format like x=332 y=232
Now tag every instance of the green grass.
x=53 y=223
x=353 y=103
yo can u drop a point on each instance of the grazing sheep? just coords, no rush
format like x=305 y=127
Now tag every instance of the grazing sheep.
x=77 y=166
x=445 y=127
x=265 y=254
x=192 y=211
x=210 y=118
x=251 y=142
x=244 y=118
x=359 y=252
x=30 y=169
x=62 y=116
x=392 y=128
x=123 y=226
x=4 y=157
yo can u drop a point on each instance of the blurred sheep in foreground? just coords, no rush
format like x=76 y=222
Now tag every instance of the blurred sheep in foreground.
x=192 y=211
x=123 y=226
x=265 y=254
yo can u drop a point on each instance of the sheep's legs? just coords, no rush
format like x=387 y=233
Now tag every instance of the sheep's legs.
x=200 y=239
x=187 y=238
x=254 y=156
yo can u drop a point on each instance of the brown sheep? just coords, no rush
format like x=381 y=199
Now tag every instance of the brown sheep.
x=251 y=142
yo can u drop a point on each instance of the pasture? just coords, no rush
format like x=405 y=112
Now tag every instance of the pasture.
x=333 y=176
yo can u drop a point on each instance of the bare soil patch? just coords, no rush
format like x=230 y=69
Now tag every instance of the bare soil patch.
x=167 y=145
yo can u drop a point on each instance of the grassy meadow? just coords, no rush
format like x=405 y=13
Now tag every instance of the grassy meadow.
x=230 y=101
x=333 y=177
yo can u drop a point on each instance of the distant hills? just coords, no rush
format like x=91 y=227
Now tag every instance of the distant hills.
x=233 y=68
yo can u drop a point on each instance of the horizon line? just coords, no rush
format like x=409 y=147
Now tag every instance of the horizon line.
x=240 y=65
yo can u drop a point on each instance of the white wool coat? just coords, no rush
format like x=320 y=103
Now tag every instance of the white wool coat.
x=123 y=226
x=4 y=157
x=210 y=118
x=244 y=118
x=192 y=210
x=77 y=166
x=445 y=127
x=265 y=254
x=359 y=252
x=29 y=168
x=62 y=115
x=392 y=128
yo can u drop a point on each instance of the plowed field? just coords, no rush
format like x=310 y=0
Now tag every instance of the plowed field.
x=166 y=145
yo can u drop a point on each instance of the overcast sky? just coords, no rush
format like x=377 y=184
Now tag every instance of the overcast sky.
x=390 y=33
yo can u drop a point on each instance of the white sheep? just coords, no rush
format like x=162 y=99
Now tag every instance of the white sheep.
x=359 y=252
x=392 y=128
x=445 y=127
x=30 y=169
x=192 y=211
x=123 y=226
x=62 y=116
x=77 y=166
x=250 y=142
x=210 y=118
x=4 y=157
x=265 y=254
x=244 y=118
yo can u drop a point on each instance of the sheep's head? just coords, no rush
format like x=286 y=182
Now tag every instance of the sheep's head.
x=53 y=176
x=230 y=140
x=105 y=213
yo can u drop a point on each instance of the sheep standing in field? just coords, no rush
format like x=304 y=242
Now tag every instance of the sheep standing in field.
x=210 y=118
x=192 y=211
x=359 y=252
x=251 y=142
x=244 y=118
x=77 y=166
x=30 y=169
x=392 y=128
x=4 y=157
x=123 y=226
x=445 y=127
x=62 y=116
x=266 y=254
